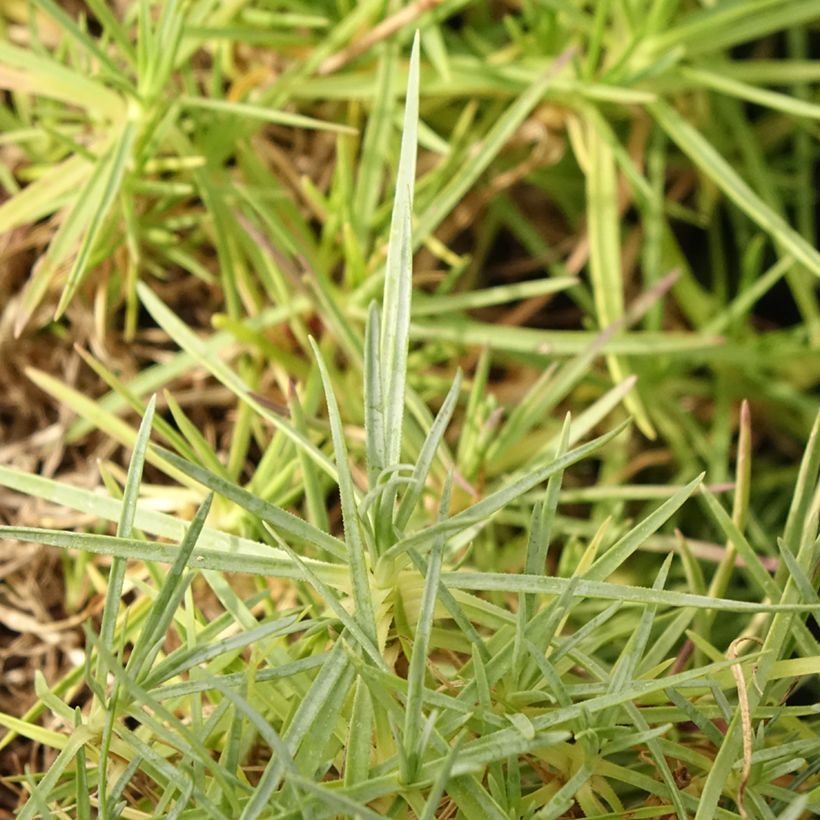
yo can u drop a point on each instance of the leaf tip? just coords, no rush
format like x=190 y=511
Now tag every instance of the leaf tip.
x=745 y=414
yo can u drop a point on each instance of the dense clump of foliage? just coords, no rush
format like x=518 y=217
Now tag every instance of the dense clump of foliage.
x=446 y=498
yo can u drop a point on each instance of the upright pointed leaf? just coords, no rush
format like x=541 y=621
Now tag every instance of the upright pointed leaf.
x=413 y=722
x=427 y=454
x=126 y=523
x=373 y=397
x=395 y=328
x=359 y=573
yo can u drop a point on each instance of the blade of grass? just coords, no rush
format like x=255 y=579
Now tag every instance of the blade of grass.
x=751 y=93
x=262 y=113
x=537 y=344
x=276 y=517
x=334 y=673
x=501 y=582
x=481 y=512
x=350 y=623
x=606 y=274
x=375 y=147
x=500 y=294
x=317 y=513
x=77 y=34
x=45 y=194
x=414 y=715
x=394 y=338
x=359 y=742
x=427 y=454
x=614 y=557
x=159 y=718
x=79 y=737
x=124 y=528
x=201 y=353
x=714 y=166
x=165 y=525
x=23 y=70
x=85 y=217
x=356 y=556
x=373 y=398
x=166 y=603
x=186 y=658
x=543 y=519
x=724 y=25
x=441 y=780
x=487 y=149
x=204 y=558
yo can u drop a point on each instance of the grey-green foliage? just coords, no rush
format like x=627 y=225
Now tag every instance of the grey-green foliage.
x=502 y=713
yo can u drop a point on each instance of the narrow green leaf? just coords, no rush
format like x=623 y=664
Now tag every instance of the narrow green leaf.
x=538 y=343
x=79 y=35
x=431 y=306
x=164 y=723
x=606 y=564
x=46 y=194
x=276 y=517
x=359 y=573
x=202 y=354
x=706 y=157
x=730 y=23
x=476 y=162
x=563 y=800
x=803 y=497
x=744 y=91
x=110 y=186
x=624 y=669
x=799 y=577
x=82 y=790
x=427 y=454
x=373 y=398
x=414 y=716
x=336 y=801
x=124 y=528
x=603 y=222
x=86 y=214
x=351 y=624
x=484 y=509
x=375 y=148
x=31 y=73
x=169 y=527
x=501 y=582
x=335 y=673
x=398 y=277
x=198 y=444
x=543 y=520
x=238 y=679
x=441 y=780
x=275 y=566
x=314 y=496
x=154 y=377
x=24 y=728
x=186 y=658
x=262 y=113
x=156 y=764
x=166 y=603
x=79 y=737
x=103 y=13
x=360 y=737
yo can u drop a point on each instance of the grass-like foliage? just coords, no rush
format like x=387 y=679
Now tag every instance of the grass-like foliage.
x=438 y=654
